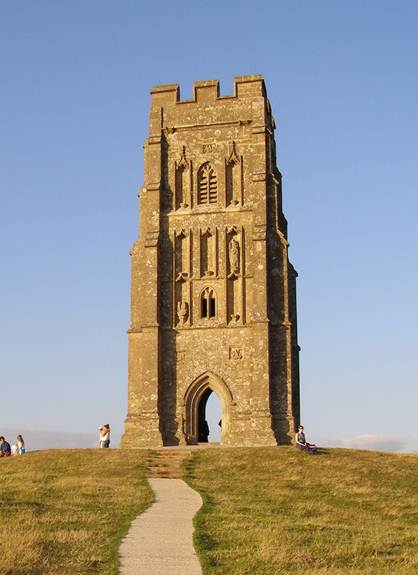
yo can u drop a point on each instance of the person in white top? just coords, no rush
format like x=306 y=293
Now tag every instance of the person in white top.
x=20 y=444
x=104 y=436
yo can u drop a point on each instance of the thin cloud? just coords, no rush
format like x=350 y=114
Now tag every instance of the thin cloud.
x=373 y=441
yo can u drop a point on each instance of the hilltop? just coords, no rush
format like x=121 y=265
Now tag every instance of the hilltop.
x=266 y=511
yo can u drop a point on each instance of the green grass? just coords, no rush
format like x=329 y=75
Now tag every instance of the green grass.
x=266 y=511
x=280 y=511
x=65 y=512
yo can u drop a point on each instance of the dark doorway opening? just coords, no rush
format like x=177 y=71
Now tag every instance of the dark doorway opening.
x=203 y=426
x=209 y=419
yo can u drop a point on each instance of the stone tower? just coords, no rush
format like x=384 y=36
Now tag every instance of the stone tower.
x=213 y=299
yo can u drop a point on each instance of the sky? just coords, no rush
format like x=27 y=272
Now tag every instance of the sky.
x=74 y=99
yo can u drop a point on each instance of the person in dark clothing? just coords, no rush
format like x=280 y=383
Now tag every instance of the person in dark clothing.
x=5 y=449
x=301 y=443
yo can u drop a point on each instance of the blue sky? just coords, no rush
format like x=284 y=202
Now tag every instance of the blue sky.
x=342 y=80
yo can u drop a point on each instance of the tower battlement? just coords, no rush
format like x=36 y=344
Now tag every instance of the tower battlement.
x=208 y=90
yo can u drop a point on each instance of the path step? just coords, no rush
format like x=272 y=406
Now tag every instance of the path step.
x=167 y=463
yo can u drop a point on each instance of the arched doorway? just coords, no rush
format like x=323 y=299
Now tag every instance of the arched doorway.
x=195 y=402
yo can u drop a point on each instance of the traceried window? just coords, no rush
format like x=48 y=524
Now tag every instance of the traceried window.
x=208 y=304
x=207 y=185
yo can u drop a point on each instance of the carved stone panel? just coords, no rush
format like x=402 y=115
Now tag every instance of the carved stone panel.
x=236 y=353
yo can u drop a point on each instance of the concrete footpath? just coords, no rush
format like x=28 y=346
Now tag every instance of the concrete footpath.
x=160 y=540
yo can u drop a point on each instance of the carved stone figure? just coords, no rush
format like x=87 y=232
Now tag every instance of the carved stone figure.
x=234 y=256
x=182 y=311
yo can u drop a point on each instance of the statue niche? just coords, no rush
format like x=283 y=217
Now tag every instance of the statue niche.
x=182 y=255
x=182 y=181
x=182 y=266
x=234 y=275
x=208 y=252
x=233 y=178
x=234 y=252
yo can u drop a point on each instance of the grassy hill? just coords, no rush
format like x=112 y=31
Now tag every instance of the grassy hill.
x=280 y=511
x=267 y=511
x=64 y=512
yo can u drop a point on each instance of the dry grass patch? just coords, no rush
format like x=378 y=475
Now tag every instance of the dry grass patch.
x=65 y=512
x=273 y=511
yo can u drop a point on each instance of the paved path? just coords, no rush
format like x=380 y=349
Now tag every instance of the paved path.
x=160 y=540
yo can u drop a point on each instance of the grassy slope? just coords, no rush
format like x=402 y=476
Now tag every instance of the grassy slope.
x=279 y=511
x=65 y=511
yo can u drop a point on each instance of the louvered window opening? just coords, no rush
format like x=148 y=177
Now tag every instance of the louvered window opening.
x=208 y=186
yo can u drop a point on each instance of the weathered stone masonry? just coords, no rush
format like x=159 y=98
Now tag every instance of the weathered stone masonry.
x=213 y=299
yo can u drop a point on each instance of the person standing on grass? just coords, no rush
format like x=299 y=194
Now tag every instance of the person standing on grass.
x=20 y=444
x=301 y=442
x=104 y=436
x=5 y=450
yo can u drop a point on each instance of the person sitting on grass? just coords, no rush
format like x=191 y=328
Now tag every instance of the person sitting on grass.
x=21 y=444
x=301 y=442
x=5 y=449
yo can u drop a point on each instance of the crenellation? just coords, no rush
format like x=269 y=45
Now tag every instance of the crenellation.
x=165 y=95
x=249 y=86
x=209 y=91
x=205 y=91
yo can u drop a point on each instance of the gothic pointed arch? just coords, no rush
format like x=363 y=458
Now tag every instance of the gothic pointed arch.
x=198 y=391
